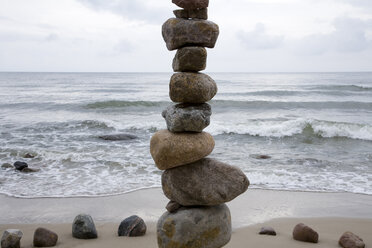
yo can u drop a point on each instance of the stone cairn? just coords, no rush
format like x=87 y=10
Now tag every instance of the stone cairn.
x=198 y=187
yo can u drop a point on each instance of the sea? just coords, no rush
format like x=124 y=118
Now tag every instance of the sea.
x=286 y=131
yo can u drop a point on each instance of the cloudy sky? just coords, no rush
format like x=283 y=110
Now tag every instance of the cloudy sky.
x=125 y=35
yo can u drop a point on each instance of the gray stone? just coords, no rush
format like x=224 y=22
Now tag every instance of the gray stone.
x=45 y=238
x=29 y=170
x=7 y=166
x=118 y=137
x=186 y=117
x=178 y=32
x=304 y=233
x=206 y=182
x=190 y=59
x=267 y=231
x=173 y=206
x=83 y=227
x=133 y=226
x=191 y=4
x=202 y=227
x=350 y=240
x=11 y=238
x=187 y=87
x=29 y=155
x=192 y=13
x=20 y=165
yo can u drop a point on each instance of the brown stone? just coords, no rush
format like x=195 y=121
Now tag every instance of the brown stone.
x=350 y=240
x=190 y=59
x=45 y=238
x=192 y=13
x=301 y=232
x=189 y=87
x=191 y=4
x=207 y=182
x=178 y=32
x=173 y=206
x=170 y=150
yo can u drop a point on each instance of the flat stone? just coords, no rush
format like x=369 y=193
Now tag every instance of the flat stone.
x=192 y=13
x=267 y=231
x=186 y=87
x=83 y=227
x=20 y=165
x=191 y=4
x=178 y=32
x=304 y=233
x=173 y=206
x=190 y=59
x=118 y=137
x=45 y=238
x=202 y=227
x=133 y=226
x=206 y=182
x=29 y=170
x=186 y=117
x=7 y=166
x=170 y=150
x=350 y=240
x=11 y=238
x=29 y=155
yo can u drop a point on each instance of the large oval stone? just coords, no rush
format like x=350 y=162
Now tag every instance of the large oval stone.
x=189 y=87
x=83 y=227
x=192 y=59
x=45 y=238
x=191 y=4
x=205 y=182
x=187 y=117
x=178 y=32
x=170 y=150
x=202 y=227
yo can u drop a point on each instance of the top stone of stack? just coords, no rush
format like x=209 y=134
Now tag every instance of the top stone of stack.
x=191 y=4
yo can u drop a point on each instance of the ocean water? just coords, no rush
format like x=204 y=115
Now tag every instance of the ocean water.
x=316 y=128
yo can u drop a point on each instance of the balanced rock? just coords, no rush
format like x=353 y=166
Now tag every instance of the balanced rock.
x=20 y=165
x=133 y=226
x=11 y=238
x=179 y=32
x=45 y=238
x=267 y=231
x=192 y=59
x=191 y=4
x=83 y=227
x=206 y=182
x=189 y=87
x=301 y=232
x=173 y=206
x=186 y=117
x=192 y=13
x=350 y=240
x=204 y=227
x=170 y=150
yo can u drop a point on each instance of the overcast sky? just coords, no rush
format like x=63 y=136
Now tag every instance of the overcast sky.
x=125 y=35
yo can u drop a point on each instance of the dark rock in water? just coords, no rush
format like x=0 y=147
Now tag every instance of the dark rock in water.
x=20 y=165
x=29 y=170
x=190 y=59
x=45 y=238
x=28 y=155
x=267 y=231
x=350 y=240
x=179 y=33
x=187 y=87
x=83 y=227
x=192 y=13
x=301 y=232
x=191 y=4
x=11 y=238
x=133 y=226
x=206 y=182
x=259 y=156
x=118 y=137
x=202 y=227
x=7 y=166
x=187 y=117
x=173 y=206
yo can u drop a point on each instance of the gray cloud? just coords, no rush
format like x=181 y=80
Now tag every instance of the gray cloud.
x=259 y=39
x=132 y=9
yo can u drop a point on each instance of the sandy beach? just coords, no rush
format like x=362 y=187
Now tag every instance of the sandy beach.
x=330 y=214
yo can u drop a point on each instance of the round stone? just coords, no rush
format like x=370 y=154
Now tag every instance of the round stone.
x=132 y=226
x=83 y=227
x=190 y=59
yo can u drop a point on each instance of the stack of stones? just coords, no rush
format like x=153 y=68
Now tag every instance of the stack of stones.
x=198 y=187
